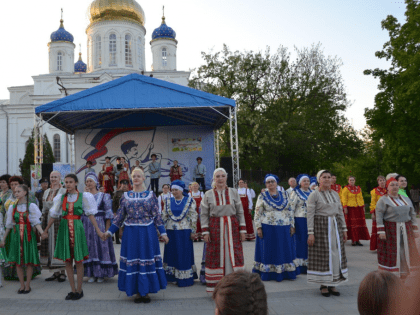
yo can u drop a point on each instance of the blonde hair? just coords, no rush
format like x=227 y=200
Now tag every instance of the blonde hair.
x=140 y=171
x=195 y=183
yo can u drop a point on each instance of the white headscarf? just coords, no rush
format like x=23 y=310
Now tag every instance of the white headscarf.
x=318 y=175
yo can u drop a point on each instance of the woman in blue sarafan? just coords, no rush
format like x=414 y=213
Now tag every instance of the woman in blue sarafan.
x=180 y=218
x=275 y=249
x=141 y=271
x=298 y=199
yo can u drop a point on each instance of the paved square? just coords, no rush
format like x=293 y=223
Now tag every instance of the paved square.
x=287 y=297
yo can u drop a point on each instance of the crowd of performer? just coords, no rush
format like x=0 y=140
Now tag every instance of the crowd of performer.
x=301 y=230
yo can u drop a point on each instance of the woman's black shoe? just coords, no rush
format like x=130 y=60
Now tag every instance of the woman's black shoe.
x=70 y=296
x=77 y=296
x=27 y=291
x=335 y=293
x=326 y=294
x=146 y=299
x=62 y=277
x=359 y=244
x=138 y=300
x=21 y=291
x=353 y=244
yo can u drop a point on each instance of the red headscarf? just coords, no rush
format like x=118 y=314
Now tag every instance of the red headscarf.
x=392 y=179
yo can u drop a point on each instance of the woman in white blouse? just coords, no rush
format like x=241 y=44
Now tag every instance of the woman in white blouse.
x=71 y=242
x=23 y=246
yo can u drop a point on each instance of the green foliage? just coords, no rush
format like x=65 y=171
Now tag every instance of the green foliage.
x=395 y=118
x=290 y=113
x=28 y=160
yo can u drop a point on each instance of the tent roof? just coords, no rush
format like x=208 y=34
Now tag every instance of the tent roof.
x=136 y=100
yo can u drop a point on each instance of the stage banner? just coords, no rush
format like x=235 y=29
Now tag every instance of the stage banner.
x=183 y=143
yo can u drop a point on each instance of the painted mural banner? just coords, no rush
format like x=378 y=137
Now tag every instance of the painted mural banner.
x=138 y=144
x=186 y=144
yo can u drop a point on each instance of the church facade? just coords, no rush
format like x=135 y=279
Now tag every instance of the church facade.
x=116 y=44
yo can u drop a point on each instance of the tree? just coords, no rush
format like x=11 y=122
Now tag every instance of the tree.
x=290 y=113
x=395 y=118
x=28 y=159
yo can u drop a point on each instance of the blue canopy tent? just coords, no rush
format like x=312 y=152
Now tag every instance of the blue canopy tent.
x=140 y=101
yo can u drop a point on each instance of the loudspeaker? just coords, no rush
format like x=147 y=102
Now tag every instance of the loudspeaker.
x=226 y=163
x=46 y=170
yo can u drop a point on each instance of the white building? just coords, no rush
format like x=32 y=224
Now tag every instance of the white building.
x=116 y=43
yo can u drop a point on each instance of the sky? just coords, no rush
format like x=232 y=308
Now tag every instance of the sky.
x=348 y=29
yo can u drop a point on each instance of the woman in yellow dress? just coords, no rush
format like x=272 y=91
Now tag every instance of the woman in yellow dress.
x=354 y=208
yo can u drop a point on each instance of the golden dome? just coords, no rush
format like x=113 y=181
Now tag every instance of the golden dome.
x=129 y=10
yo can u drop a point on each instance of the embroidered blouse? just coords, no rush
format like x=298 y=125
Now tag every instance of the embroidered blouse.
x=245 y=192
x=399 y=209
x=89 y=204
x=298 y=199
x=104 y=205
x=324 y=203
x=162 y=197
x=196 y=194
x=138 y=209
x=34 y=214
x=180 y=217
x=220 y=204
x=351 y=196
x=375 y=194
x=273 y=210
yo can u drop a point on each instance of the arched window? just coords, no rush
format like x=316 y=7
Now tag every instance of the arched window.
x=59 y=61
x=164 y=58
x=139 y=53
x=98 y=52
x=112 y=50
x=128 y=51
x=57 y=148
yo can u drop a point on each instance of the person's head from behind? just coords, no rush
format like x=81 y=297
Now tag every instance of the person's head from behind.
x=240 y=293
x=124 y=185
x=380 y=293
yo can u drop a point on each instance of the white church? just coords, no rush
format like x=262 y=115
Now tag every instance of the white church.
x=116 y=43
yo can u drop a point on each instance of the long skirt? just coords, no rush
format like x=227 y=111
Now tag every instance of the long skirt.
x=275 y=254
x=250 y=234
x=10 y=272
x=356 y=224
x=203 y=266
x=22 y=250
x=48 y=246
x=101 y=262
x=374 y=236
x=398 y=253
x=71 y=242
x=178 y=258
x=301 y=239
x=141 y=269
x=327 y=261
x=224 y=253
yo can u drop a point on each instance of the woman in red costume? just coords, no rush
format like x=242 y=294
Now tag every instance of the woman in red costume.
x=354 y=208
x=376 y=193
x=176 y=171
x=246 y=200
x=334 y=186
x=197 y=195
x=107 y=176
x=124 y=173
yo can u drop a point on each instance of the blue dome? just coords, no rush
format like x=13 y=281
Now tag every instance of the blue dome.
x=80 y=66
x=163 y=31
x=61 y=35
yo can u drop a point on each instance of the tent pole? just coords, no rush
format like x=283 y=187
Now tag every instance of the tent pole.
x=234 y=146
x=217 y=149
